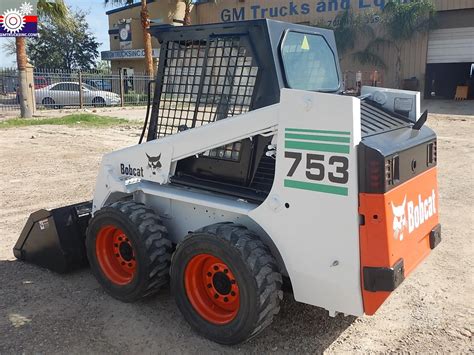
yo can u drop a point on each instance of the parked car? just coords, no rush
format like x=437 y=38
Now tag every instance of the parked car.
x=100 y=84
x=40 y=82
x=67 y=94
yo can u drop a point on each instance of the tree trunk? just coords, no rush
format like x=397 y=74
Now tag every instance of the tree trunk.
x=398 y=67
x=22 y=60
x=147 y=39
x=187 y=13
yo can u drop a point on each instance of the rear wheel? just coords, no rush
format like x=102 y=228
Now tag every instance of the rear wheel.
x=98 y=102
x=128 y=250
x=48 y=102
x=226 y=283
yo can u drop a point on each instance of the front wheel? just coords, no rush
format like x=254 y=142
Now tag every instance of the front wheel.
x=226 y=283
x=128 y=250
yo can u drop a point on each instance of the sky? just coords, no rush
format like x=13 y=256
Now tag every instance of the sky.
x=98 y=24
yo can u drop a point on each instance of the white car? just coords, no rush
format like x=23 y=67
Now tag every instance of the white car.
x=67 y=94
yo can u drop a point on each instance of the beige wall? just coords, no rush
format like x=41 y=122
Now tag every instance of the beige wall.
x=413 y=52
x=166 y=10
x=310 y=12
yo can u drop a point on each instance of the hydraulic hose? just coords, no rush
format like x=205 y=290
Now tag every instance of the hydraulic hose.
x=145 y=124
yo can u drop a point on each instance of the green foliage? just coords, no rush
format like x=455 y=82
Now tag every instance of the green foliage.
x=64 y=47
x=55 y=10
x=134 y=98
x=369 y=54
x=84 y=119
x=403 y=20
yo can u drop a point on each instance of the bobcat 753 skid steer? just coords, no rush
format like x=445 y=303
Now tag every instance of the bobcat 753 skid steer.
x=257 y=170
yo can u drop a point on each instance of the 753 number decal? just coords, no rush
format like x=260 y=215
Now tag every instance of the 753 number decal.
x=337 y=170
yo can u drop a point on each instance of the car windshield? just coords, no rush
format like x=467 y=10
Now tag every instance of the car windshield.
x=309 y=63
x=89 y=87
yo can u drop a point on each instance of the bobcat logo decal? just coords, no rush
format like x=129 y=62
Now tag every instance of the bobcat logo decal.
x=399 y=220
x=154 y=163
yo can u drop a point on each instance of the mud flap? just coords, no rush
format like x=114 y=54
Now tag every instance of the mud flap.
x=55 y=239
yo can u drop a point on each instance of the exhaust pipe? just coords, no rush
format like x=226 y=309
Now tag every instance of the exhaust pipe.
x=55 y=239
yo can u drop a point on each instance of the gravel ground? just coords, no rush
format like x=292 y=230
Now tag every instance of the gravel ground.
x=42 y=312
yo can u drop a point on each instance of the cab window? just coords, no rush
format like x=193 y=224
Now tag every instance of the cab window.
x=309 y=63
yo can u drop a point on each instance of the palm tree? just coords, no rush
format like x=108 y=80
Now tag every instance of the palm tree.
x=56 y=11
x=401 y=22
x=187 y=12
x=350 y=28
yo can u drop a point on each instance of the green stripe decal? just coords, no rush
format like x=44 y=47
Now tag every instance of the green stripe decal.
x=310 y=186
x=309 y=137
x=319 y=147
x=317 y=131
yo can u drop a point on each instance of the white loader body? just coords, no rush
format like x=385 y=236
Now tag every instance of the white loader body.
x=314 y=227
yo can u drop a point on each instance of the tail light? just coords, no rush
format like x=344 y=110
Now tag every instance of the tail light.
x=432 y=154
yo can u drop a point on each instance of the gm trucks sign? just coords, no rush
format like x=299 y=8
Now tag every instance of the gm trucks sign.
x=127 y=54
x=293 y=8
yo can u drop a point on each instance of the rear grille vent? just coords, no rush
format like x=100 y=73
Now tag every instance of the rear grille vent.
x=375 y=120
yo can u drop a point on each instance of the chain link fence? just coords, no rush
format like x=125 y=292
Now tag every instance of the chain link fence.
x=57 y=89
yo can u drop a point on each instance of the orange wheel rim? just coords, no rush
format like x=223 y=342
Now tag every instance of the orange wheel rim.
x=115 y=255
x=212 y=289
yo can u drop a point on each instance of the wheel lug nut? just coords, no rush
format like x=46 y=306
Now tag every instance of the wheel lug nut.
x=129 y=264
x=117 y=255
x=209 y=286
x=216 y=268
x=226 y=299
x=120 y=239
x=209 y=274
x=226 y=271
x=232 y=293
x=216 y=296
x=232 y=282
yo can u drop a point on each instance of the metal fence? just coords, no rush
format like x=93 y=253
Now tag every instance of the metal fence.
x=56 y=89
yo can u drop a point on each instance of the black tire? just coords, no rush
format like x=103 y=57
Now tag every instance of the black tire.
x=256 y=274
x=48 y=102
x=151 y=250
x=98 y=102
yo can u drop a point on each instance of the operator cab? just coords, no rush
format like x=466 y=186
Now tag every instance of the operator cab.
x=212 y=72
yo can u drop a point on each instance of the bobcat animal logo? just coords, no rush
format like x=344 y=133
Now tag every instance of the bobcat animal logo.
x=154 y=163
x=399 y=220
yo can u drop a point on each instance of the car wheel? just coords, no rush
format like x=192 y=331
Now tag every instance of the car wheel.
x=48 y=102
x=98 y=102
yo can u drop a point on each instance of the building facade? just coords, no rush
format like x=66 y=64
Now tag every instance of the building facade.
x=434 y=63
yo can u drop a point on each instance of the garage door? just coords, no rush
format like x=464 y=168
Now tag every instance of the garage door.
x=451 y=45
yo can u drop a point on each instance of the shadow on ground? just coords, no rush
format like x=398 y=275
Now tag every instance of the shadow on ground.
x=49 y=313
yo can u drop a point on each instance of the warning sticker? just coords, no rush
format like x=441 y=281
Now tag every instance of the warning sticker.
x=44 y=224
x=305 y=44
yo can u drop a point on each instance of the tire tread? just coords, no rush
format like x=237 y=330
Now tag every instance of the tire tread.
x=261 y=264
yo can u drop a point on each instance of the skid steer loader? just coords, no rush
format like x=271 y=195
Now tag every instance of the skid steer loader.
x=257 y=170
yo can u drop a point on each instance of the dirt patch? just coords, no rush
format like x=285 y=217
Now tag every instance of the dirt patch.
x=42 y=312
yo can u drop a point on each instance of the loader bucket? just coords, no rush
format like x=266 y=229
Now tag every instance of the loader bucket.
x=55 y=239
